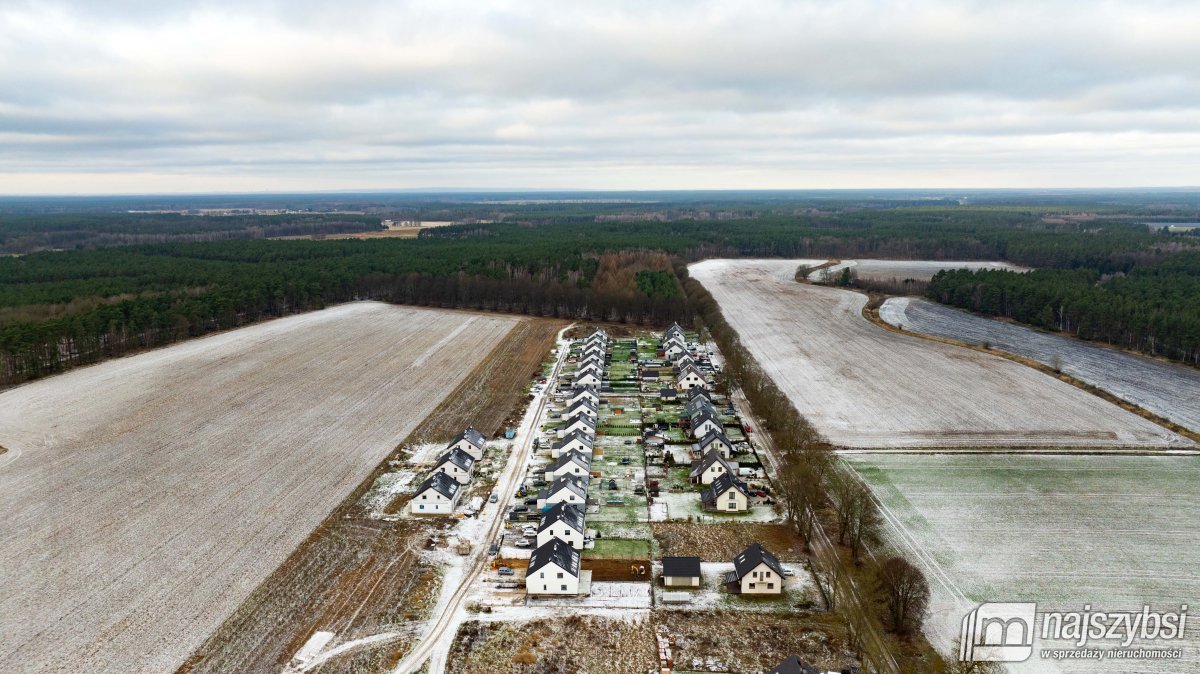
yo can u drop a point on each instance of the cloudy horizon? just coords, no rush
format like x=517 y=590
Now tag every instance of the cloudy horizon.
x=263 y=95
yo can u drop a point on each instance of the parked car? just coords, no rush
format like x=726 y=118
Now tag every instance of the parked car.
x=529 y=531
x=625 y=461
x=629 y=442
x=788 y=572
x=493 y=550
x=505 y=571
x=521 y=509
x=523 y=543
x=493 y=498
x=531 y=501
x=539 y=483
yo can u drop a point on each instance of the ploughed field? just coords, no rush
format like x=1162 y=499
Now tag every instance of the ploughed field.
x=1115 y=532
x=900 y=270
x=866 y=387
x=144 y=498
x=1169 y=390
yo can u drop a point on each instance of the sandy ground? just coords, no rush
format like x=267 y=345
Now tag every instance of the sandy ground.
x=865 y=387
x=918 y=270
x=149 y=495
x=1169 y=390
x=1115 y=532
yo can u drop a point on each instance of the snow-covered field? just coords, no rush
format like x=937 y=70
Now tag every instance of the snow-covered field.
x=1111 y=531
x=1166 y=389
x=918 y=270
x=866 y=387
x=148 y=496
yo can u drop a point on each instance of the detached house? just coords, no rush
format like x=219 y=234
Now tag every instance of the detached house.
x=710 y=467
x=681 y=571
x=553 y=569
x=674 y=347
x=578 y=424
x=583 y=393
x=563 y=521
x=576 y=441
x=689 y=378
x=590 y=376
x=713 y=441
x=582 y=407
x=437 y=495
x=673 y=329
x=470 y=441
x=572 y=463
x=726 y=494
x=755 y=571
x=564 y=490
x=457 y=464
x=706 y=422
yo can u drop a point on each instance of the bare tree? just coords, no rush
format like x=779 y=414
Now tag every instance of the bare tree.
x=905 y=592
x=859 y=517
x=801 y=485
x=954 y=666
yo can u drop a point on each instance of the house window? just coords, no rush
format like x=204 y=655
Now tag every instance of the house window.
x=751 y=586
x=560 y=575
x=564 y=588
x=770 y=586
x=542 y=574
x=422 y=506
x=543 y=588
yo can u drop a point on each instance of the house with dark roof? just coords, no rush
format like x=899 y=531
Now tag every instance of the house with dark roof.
x=457 y=464
x=726 y=494
x=575 y=441
x=711 y=466
x=673 y=329
x=583 y=406
x=668 y=395
x=681 y=571
x=593 y=360
x=689 y=378
x=563 y=521
x=697 y=405
x=583 y=393
x=567 y=489
x=590 y=376
x=674 y=347
x=795 y=665
x=755 y=571
x=692 y=394
x=706 y=422
x=437 y=495
x=573 y=463
x=470 y=441
x=713 y=440
x=579 y=423
x=553 y=569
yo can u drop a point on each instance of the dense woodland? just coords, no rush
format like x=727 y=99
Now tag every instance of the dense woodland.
x=61 y=309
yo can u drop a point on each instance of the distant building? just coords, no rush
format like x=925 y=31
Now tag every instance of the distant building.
x=689 y=378
x=576 y=441
x=573 y=463
x=681 y=571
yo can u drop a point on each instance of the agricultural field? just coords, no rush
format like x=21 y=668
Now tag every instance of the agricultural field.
x=1169 y=390
x=900 y=270
x=865 y=387
x=1115 y=532
x=146 y=497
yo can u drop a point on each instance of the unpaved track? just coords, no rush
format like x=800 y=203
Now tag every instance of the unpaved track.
x=151 y=494
x=866 y=387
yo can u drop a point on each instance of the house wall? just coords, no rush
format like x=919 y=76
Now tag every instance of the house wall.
x=433 y=504
x=563 y=496
x=467 y=447
x=681 y=581
x=762 y=580
x=714 y=471
x=738 y=499
x=545 y=581
x=563 y=533
x=451 y=469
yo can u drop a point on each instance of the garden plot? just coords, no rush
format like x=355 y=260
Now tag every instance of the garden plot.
x=900 y=270
x=1115 y=532
x=866 y=387
x=1169 y=390
x=152 y=494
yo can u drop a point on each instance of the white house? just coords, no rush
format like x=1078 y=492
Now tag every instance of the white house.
x=673 y=329
x=563 y=521
x=584 y=407
x=755 y=571
x=457 y=464
x=576 y=441
x=704 y=423
x=588 y=376
x=470 y=441
x=710 y=467
x=690 y=378
x=681 y=571
x=579 y=423
x=574 y=463
x=594 y=350
x=437 y=495
x=553 y=569
x=583 y=393
x=594 y=360
x=726 y=494
x=674 y=348
x=713 y=441
x=699 y=404
x=564 y=490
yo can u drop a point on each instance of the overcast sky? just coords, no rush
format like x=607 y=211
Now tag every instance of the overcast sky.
x=104 y=96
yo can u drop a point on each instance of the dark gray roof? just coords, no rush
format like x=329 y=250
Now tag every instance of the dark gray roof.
x=710 y=457
x=588 y=421
x=667 y=393
x=694 y=392
x=583 y=389
x=576 y=484
x=681 y=566
x=472 y=436
x=574 y=435
x=569 y=513
x=562 y=554
x=753 y=556
x=795 y=665
x=458 y=458
x=673 y=327
x=690 y=369
x=723 y=483
x=573 y=456
x=580 y=405
x=441 y=483
x=711 y=437
x=697 y=405
x=703 y=415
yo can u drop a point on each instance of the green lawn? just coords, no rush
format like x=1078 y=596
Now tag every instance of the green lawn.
x=619 y=548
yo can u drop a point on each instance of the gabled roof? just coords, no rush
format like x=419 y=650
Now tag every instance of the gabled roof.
x=574 y=435
x=441 y=483
x=458 y=458
x=699 y=392
x=472 y=436
x=568 y=513
x=690 y=369
x=587 y=421
x=674 y=327
x=795 y=665
x=681 y=566
x=581 y=405
x=576 y=484
x=667 y=393
x=723 y=483
x=710 y=457
x=574 y=456
x=562 y=554
x=711 y=437
x=702 y=416
x=581 y=390
x=695 y=405
x=753 y=556
x=591 y=364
